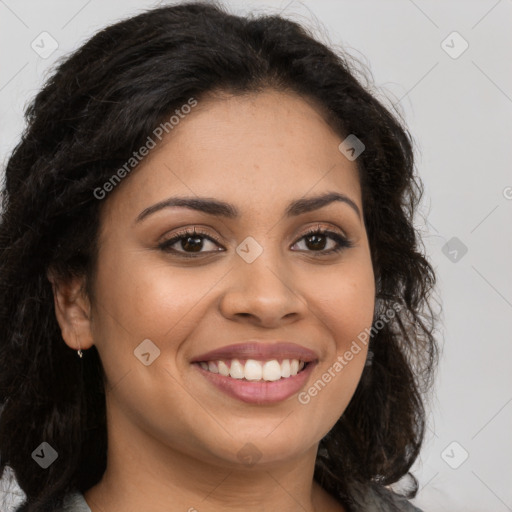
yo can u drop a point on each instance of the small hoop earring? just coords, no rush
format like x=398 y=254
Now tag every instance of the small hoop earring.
x=79 y=351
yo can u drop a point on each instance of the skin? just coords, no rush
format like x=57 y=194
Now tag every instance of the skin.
x=173 y=438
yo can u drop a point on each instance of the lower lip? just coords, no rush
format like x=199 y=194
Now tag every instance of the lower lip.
x=259 y=392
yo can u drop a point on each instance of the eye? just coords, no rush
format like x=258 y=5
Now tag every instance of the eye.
x=189 y=242
x=317 y=239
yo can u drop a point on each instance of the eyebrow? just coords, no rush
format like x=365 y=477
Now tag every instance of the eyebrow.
x=229 y=211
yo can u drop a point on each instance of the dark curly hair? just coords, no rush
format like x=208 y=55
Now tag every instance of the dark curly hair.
x=100 y=104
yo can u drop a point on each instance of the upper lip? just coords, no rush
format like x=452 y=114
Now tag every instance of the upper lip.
x=260 y=350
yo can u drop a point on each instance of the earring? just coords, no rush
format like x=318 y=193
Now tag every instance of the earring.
x=369 y=358
x=79 y=351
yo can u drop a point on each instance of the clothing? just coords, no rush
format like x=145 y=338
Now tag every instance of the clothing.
x=372 y=501
x=75 y=502
x=380 y=499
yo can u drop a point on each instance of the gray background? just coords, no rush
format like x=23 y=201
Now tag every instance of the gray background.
x=458 y=107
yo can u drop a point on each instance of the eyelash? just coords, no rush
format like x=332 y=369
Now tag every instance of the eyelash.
x=343 y=243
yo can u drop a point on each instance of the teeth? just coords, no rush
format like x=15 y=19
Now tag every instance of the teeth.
x=223 y=368
x=271 y=370
x=236 y=370
x=285 y=368
x=254 y=370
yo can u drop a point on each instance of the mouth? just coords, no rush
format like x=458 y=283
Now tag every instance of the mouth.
x=253 y=370
x=260 y=391
x=258 y=371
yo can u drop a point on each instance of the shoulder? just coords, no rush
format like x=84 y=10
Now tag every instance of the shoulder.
x=380 y=499
x=74 y=502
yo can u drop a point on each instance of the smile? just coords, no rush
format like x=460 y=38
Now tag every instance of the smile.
x=254 y=370
x=254 y=381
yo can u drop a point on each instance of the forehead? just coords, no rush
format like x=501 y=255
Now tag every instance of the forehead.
x=268 y=147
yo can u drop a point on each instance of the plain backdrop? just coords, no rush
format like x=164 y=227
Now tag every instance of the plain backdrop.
x=446 y=66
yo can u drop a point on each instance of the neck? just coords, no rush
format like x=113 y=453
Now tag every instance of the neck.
x=142 y=470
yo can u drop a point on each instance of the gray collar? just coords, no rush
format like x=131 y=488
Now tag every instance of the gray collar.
x=75 y=502
x=373 y=501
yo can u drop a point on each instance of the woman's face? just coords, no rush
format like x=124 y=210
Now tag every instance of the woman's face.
x=253 y=276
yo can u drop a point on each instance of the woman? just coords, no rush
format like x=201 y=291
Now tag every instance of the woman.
x=212 y=293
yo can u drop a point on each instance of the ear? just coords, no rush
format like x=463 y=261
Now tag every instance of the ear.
x=73 y=311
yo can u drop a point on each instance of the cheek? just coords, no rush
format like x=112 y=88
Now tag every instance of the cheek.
x=145 y=300
x=344 y=299
x=137 y=301
x=345 y=307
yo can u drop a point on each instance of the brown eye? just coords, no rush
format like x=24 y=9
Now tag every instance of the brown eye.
x=316 y=241
x=189 y=243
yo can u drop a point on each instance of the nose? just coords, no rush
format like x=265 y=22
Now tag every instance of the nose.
x=263 y=293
